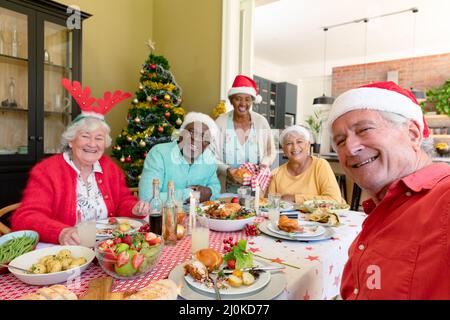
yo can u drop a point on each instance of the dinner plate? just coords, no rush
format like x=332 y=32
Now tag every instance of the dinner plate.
x=332 y=206
x=260 y=282
x=105 y=230
x=284 y=206
x=273 y=289
x=310 y=230
x=263 y=226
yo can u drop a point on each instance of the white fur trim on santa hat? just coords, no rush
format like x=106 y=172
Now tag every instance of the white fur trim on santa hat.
x=298 y=129
x=246 y=90
x=371 y=98
x=203 y=118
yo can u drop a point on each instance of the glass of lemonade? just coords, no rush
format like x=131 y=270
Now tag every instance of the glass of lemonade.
x=200 y=233
x=274 y=208
x=87 y=229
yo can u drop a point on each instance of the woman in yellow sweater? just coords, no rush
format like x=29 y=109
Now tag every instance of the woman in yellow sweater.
x=303 y=177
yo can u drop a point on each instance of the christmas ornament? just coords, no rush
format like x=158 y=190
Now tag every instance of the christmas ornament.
x=122 y=159
x=142 y=71
x=142 y=143
x=149 y=99
x=153 y=66
x=145 y=154
x=178 y=122
x=118 y=148
x=137 y=120
x=164 y=125
x=141 y=86
x=167 y=114
x=128 y=159
x=166 y=97
x=155 y=99
x=167 y=105
x=161 y=129
x=129 y=139
x=135 y=101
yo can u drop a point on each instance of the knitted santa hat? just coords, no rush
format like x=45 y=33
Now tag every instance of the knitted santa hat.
x=243 y=84
x=381 y=96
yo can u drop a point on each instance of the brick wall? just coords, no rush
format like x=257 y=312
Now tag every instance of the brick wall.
x=426 y=72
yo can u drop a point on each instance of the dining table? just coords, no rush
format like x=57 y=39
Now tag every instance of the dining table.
x=313 y=269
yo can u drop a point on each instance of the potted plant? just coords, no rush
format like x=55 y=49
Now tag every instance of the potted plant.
x=439 y=98
x=314 y=123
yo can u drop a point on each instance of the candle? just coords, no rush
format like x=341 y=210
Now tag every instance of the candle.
x=257 y=199
x=191 y=211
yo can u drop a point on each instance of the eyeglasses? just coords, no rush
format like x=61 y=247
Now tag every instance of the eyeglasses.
x=204 y=137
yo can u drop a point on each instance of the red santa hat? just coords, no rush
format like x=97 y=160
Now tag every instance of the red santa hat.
x=243 y=84
x=381 y=96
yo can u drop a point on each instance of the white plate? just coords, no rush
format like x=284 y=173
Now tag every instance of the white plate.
x=26 y=260
x=275 y=286
x=261 y=282
x=102 y=225
x=264 y=228
x=311 y=205
x=310 y=230
x=284 y=206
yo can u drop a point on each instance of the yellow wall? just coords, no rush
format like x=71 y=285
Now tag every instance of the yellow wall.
x=114 y=49
x=188 y=34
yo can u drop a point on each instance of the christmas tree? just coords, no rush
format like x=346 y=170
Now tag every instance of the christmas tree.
x=154 y=117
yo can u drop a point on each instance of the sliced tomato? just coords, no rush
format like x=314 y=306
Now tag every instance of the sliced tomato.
x=154 y=241
x=231 y=264
x=122 y=259
x=150 y=236
x=137 y=260
x=112 y=220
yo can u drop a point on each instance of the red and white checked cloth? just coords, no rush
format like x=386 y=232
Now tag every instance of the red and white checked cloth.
x=259 y=176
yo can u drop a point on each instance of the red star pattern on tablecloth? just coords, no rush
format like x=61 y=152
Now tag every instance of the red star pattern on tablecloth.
x=336 y=281
x=330 y=269
x=277 y=260
x=306 y=296
x=251 y=242
x=254 y=250
x=312 y=258
x=309 y=248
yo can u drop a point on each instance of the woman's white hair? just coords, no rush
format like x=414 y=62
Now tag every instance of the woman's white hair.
x=298 y=129
x=85 y=124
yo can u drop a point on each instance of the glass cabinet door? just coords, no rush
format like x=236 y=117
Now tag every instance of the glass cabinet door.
x=14 y=80
x=57 y=55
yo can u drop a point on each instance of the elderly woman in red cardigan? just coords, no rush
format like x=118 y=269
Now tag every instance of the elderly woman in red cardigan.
x=80 y=179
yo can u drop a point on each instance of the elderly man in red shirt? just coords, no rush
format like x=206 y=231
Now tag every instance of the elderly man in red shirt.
x=403 y=250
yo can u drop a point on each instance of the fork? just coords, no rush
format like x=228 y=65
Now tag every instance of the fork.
x=216 y=289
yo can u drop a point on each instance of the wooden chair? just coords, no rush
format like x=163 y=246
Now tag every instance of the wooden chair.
x=3 y=228
x=134 y=191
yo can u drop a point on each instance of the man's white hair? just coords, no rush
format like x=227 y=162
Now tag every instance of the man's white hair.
x=203 y=118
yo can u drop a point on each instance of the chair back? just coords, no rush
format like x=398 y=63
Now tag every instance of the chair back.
x=134 y=191
x=3 y=228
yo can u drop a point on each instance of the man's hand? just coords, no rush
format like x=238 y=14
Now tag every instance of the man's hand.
x=205 y=192
x=141 y=208
x=69 y=237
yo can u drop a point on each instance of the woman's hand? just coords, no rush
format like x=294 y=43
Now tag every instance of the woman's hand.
x=205 y=192
x=69 y=237
x=230 y=175
x=288 y=197
x=141 y=208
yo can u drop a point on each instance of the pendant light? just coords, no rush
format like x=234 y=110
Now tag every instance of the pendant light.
x=324 y=99
x=419 y=94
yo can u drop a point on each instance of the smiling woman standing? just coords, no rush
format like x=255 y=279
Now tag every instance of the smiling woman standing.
x=244 y=135
x=80 y=179
x=303 y=177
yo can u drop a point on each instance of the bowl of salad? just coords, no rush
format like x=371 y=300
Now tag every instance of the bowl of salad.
x=226 y=217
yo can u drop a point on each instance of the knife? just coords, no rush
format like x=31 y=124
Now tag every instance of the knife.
x=270 y=268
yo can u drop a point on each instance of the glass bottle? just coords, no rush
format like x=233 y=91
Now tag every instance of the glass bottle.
x=169 y=222
x=156 y=208
x=14 y=43
x=12 y=93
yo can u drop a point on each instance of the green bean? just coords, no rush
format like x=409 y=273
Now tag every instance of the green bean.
x=15 y=247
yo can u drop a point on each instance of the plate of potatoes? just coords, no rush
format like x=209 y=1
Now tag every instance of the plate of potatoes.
x=52 y=265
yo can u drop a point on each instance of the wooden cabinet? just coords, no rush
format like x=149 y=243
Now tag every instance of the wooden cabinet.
x=279 y=101
x=37 y=49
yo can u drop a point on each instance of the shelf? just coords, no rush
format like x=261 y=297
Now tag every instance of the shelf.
x=56 y=66
x=13 y=109
x=13 y=58
x=56 y=113
x=440 y=120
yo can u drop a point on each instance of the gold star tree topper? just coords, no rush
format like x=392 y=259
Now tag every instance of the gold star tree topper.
x=151 y=44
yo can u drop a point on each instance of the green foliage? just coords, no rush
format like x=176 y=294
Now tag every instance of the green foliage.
x=439 y=99
x=314 y=123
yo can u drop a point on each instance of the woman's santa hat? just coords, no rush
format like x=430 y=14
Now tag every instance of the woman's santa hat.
x=381 y=96
x=243 y=84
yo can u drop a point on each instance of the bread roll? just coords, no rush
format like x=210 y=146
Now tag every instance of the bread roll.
x=288 y=225
x=55 y=292
x=210 y=258
x=32 y=296
x=160 y=290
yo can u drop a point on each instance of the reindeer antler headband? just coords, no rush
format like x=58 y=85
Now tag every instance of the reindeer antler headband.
x=83 y=97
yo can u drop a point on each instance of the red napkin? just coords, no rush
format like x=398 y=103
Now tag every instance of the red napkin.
x=258 y=176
